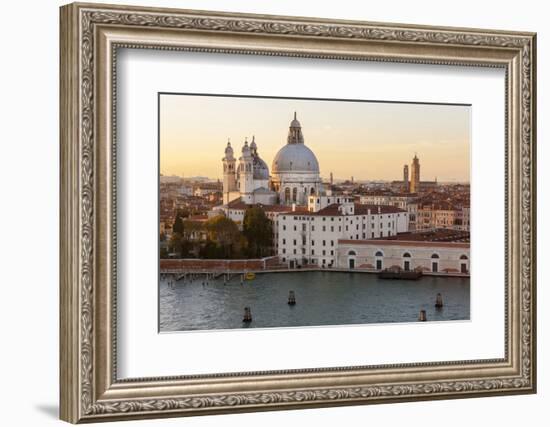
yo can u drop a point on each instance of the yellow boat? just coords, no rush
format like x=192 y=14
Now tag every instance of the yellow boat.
x=249 y=276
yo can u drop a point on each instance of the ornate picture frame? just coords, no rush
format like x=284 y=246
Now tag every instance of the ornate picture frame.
x=90 y=37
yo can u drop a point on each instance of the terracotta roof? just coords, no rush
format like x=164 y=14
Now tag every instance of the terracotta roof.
x=437 y=235
x=381 y=242
x=332 y=210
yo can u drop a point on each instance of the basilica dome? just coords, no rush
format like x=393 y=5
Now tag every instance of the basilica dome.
x=295 y=157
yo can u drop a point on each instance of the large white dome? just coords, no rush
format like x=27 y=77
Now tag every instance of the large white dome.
x=295 y=158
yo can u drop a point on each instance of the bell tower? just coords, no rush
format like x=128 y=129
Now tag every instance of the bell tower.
x=229 y=174
x=414 y=186
x=246 y=175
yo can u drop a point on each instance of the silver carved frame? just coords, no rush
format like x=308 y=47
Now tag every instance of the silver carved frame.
x=90 y=36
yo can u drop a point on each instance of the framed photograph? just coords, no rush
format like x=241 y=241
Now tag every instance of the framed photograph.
x=265 y=212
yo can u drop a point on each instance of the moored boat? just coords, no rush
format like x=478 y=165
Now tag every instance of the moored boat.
x=394 y=273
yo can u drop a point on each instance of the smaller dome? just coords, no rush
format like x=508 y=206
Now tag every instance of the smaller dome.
x=246 y=149
x=228 y=150
x=261 y=171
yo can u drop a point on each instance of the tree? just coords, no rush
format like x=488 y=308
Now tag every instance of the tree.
x=180 y=245
x=178 y=225
x=183 y=212
x=210 y=250
x=258 y=230
x=225 y=233
x=175 y=243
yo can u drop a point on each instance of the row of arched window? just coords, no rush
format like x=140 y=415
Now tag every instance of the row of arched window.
x=405 y=255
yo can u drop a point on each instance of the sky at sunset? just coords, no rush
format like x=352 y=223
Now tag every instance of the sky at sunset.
x=366 y=140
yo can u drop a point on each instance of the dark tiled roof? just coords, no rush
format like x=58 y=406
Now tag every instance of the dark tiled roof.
x=437 y=235
x=413 y=243
x=332 y=210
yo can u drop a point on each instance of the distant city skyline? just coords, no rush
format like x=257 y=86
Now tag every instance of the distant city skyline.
x=367 y=140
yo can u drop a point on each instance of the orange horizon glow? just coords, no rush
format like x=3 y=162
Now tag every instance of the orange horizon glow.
x=366 y=140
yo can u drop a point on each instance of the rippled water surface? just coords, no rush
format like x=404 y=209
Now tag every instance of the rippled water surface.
x=322 y=298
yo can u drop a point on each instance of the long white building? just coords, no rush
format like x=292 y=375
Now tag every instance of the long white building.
x=425 y=256
x=311 y=238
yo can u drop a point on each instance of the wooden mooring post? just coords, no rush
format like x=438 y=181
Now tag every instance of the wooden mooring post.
x=422 y=316
x=438 y=301
x=291 y=298
x=247 y=318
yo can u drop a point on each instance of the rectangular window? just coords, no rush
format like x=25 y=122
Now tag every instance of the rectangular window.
x=284 y=251
x=332 y=228
x=284 y=241
x=324 y=252
x=303 y=251
x=313 y=243
x=284 y=227
x=294 y=242
x=312 y=228
x=324 y=242
x=324 y=228
x=294 y=228
x=304 y=226
x=332 y=243
x=294 y=251
x=313 y=252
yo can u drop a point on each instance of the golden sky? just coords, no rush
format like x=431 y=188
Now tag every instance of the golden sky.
x=366 y=140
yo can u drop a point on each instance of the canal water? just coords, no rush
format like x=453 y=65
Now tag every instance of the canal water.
x=322 y=298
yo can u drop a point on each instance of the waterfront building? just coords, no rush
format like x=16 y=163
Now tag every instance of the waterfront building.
x=434 y=252
x=311 y=237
